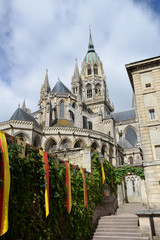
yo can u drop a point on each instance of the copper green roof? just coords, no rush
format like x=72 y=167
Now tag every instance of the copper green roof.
x=91 y=54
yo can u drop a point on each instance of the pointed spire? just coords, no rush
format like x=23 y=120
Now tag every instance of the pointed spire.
x=90 y=45
x=76 y=70
x=23 y=105
x=46 y=82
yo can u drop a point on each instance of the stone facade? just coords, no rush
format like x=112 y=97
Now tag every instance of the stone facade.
x=74 y=123
x=145 y=81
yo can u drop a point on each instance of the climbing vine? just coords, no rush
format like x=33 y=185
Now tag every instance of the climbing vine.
x=122 y=171
x=26 y=205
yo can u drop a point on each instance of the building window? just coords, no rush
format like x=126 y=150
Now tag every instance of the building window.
x=131 y=136
x=157 y=150
x=95 y=69
x=148 y=85
x=89 y=91
x=98 y=90
x=62 y=109
x=89 y=70
x=152 y=114
x=84 y=122
x=90 y=125
x=130 y=160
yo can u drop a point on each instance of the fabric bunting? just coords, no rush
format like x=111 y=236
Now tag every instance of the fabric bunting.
x=68 y=185
x=103 y=174
x=46 y=167
x=84 y=189
x=4 y=184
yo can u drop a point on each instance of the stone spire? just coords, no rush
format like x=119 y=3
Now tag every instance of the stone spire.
x=76 y=82
x=46 y=86
x=90 y=45
x=76 y=70
x=24 y=106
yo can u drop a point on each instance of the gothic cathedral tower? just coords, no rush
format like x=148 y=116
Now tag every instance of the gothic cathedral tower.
x=91 y=85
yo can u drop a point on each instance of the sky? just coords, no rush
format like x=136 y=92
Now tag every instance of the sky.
x=49 y=34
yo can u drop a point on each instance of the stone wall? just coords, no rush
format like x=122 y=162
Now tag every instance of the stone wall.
x=107 y=207
x=78 y=156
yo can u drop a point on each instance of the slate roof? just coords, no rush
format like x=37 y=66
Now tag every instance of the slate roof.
x=60 y=87
x=124 y=115
x=124 y=143
x=21 y=115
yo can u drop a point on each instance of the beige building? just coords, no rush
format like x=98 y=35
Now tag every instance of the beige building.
x=74 y=123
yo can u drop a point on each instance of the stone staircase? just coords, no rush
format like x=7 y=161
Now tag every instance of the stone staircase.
x=130 y=208
x=123 y=225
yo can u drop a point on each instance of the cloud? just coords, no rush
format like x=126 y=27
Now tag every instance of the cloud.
x=48 y=34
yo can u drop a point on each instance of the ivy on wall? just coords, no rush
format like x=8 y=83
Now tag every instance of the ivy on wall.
x=126 y=170
x=26 y=206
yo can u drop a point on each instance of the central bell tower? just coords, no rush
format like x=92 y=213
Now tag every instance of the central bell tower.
x=94 y=87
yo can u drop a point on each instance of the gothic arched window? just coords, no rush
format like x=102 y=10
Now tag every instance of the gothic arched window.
x=95 y=69
x=89 y=70
x=89 y=91
x=98 y=89
x=131 y=136
x=62 y=109
x=65 y=144
x=51 y=145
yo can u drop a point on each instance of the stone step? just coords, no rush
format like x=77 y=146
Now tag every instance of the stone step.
x=134 y=221
x=117 y=226
x=119 y=238
x=123 y=216
x=113 y=223
x=133 y=211
x=126 y=234
x=123 y=227
x=128 y=216
x=113 y=229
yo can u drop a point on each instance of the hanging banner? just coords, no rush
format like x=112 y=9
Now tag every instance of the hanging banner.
x=103 y=174
x=46 y=167
x=84 y=189
x=68 y=184
x=4 y=184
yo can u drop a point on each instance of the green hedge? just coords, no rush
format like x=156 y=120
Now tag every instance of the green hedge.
x=125 y=170
x=26 y=206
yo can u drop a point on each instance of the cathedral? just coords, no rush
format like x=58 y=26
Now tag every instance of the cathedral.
x=73 y=123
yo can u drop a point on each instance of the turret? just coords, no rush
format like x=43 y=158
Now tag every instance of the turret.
x=45 y=89
x=77 y=83
x=48 y=111
x=24 y=108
